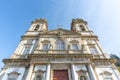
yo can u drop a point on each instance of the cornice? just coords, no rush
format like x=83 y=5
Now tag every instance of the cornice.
x=88 y=36
x=29 y=36
x=61 y=55
x=104 y=60
x=15 y=60
x=56 y=36
x=59 y=58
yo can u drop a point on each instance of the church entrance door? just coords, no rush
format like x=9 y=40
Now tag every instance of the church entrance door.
x=60 y=75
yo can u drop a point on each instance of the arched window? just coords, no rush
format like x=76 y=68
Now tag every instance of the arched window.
x=82 y=78
x=82 y=27
x=60 y=45
x=36 y=27
x=38 y=78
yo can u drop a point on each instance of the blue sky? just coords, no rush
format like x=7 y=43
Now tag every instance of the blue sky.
x=103 y=17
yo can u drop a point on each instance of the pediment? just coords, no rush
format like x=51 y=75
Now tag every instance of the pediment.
x=14 y=73
x=81 y=71
x=106 y=73
x=45 y=41
x=61 y=31
x=39 y=71
x=74 y=41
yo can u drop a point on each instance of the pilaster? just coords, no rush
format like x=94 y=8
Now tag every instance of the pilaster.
x=91 y=72
x=48 y=72
x=74 y=77
x=32 y=47
x=86 y=46
x=30 y=72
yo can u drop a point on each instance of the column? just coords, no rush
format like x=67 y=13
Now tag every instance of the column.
x=73 y=72
x=48 y=72
x=91 y=72
x=29 y=74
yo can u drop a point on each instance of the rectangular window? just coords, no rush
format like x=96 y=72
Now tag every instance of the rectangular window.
x=26 y=50
x=93 y=50
x=45 y=47
x=60 y=46
x=75 y=47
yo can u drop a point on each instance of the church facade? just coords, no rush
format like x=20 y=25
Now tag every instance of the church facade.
x=59 y=54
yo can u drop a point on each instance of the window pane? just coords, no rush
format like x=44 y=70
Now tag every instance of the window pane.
x=74 y=47
x=45 y=46
x=26 y=50
x=60 y=45
x=93 y=50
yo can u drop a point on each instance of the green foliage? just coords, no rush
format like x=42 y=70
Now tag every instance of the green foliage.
x=119 y=69
x=113 y=56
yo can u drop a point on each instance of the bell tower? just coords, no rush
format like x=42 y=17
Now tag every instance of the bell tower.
x=39 y=25
x=59 y=54
x=79 y=25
